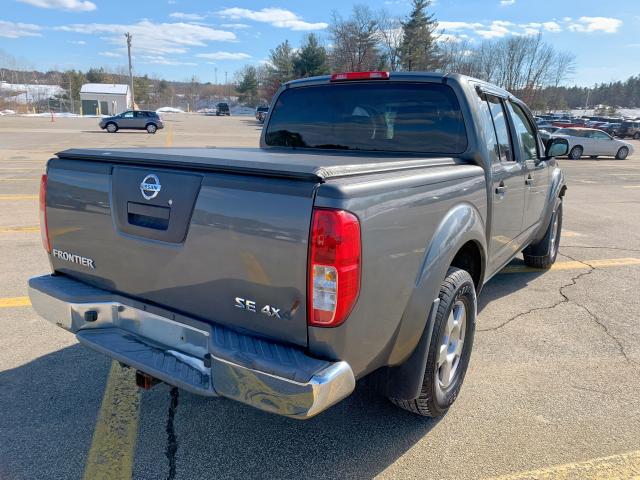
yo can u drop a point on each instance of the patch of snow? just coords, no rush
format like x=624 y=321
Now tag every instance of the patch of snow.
x=169 y=110
x=7 y=112
x=26 y=92
x=242 y=110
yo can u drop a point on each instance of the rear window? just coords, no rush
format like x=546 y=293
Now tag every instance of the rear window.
x=391 y=117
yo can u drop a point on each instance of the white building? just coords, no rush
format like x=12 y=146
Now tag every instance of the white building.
x=104 y=98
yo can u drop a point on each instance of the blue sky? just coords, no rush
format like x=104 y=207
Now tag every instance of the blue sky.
x=179 y=38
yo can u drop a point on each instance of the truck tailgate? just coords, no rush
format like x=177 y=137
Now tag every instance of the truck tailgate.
x=203 y=241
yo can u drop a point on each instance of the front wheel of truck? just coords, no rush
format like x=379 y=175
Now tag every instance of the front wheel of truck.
x=450 y=347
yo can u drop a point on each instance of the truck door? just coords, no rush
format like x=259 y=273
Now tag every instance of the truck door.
x=536 y=181
x=507 y=184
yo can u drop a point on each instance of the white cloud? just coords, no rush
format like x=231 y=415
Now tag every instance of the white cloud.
x=455 y=26
x=278 y=17
x=497 y=29
x=506 y=3
x=155 y=38
x=187 y=16
x=110 y=54
x=235 y=25
x=224 y=56
x=596 y=24
x=162 y=60
x=73 y=5
x=17 y=30
x=78 y=42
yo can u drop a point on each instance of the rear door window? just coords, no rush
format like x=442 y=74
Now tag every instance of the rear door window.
x=502 y=129
x=376 y=116
x=525 y=133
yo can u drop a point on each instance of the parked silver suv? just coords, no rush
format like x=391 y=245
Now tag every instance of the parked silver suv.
x=132 y=119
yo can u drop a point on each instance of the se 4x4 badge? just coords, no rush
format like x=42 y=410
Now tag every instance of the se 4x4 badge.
x=250 y=306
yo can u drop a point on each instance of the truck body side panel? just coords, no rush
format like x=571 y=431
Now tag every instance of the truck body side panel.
x=399 y=215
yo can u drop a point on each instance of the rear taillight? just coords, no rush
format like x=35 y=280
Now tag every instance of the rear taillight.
x=346 y=76
x=334 y=267
x=44 y=229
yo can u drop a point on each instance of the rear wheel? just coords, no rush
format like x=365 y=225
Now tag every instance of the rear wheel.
x=111 y=127
x=543 y=254
x=151 y=128
x=622 y=153
x=450 y=347
x=636 y=136
x=575 y=153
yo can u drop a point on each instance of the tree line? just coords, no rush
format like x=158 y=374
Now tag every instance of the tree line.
x=525 y=65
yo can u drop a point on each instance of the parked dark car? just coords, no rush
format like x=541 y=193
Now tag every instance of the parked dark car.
x=629 y=128
x=351 y=244
x=132 y=120
x=261 y=109
x=223 y=109
x=261 y=114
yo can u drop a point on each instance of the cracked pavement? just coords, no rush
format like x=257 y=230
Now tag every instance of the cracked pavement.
x=554 y=375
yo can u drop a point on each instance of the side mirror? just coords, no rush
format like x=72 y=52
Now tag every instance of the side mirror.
x=557 y=147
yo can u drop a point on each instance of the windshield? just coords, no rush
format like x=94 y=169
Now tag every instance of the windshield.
x=392 y=117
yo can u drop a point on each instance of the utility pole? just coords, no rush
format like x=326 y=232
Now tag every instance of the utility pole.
x=133 y=97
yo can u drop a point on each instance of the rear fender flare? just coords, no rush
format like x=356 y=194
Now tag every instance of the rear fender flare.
x=463 y=223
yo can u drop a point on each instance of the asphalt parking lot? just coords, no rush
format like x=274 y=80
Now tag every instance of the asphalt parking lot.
x=552 y=390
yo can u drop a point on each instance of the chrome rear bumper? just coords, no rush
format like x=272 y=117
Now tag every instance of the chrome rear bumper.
x=199 y=357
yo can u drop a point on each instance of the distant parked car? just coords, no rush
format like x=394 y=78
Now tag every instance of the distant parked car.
x=223 y=109
x=133 y=120
x=259 y=110
x=630 y=128
x=261 y=114
x=593 y=143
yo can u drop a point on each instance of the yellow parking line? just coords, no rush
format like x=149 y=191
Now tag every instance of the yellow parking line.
x=569 y=233
x=18 y=197
x=19 y=179
x=114 y=439
x=631 y=186
x=26 y=228
x=572 y=265
x=626 y=465
x=14 y=302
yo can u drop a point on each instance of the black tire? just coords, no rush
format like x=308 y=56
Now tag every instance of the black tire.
x=151 y=128
x=576 y=152
x=636 y=136
x=622 y=153
x=435 y=399
x=111 y=127
x=543 y=253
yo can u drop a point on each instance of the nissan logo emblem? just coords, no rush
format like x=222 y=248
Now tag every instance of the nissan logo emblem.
x=150 y=186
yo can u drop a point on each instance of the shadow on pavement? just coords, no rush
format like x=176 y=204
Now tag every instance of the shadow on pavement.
x=49 y=408
x=358 y=438
x=503 y=284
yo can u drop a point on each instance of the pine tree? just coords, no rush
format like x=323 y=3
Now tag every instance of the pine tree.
x=311 y=60
x=248 y=86
x=419 y=50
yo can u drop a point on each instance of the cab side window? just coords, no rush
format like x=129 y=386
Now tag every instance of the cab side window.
x=502 y=129
x=127 y=114
x=525 y=133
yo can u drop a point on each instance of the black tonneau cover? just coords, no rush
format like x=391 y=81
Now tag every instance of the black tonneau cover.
x=299 y=164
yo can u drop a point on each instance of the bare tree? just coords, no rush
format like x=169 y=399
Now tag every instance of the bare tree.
x=390 y=32
x=355 y=41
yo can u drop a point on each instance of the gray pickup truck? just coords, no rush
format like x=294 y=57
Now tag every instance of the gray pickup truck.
x=350 y=245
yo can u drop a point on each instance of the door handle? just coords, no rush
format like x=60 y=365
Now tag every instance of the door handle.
x=529 y=181
x=501 y=189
